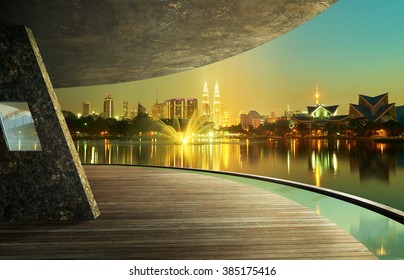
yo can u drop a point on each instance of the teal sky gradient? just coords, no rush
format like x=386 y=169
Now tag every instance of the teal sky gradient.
x=354 y=47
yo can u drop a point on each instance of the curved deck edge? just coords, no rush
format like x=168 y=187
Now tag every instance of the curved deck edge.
x=374 y=206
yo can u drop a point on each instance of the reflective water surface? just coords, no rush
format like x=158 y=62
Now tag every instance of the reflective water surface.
x=363 y=168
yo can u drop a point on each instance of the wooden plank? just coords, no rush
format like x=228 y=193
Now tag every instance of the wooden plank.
x=152 y=213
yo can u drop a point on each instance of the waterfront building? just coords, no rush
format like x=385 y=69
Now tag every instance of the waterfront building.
x=86 y=109
x=253 y=118
x=375 y=109
x=319 y=115
x=108 y=106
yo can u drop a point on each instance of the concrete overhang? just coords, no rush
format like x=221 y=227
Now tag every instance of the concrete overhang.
x=90 y=42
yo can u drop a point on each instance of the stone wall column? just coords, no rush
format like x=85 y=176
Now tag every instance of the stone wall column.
x=49 y=184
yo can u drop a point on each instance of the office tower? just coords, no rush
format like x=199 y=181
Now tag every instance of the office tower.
x=217 y=118
x=179 y=108
x=86 y=109
x=226 y=119
x=158 y=110
x=205 y=102
x=174 y=108
x=125 y=109
x=108 y=106
x=192 y=108
x=288 y=114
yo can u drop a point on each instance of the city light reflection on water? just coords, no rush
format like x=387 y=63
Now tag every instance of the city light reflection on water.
x=363 y=168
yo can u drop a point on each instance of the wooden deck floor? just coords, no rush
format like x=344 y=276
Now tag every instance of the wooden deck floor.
x=152 y=213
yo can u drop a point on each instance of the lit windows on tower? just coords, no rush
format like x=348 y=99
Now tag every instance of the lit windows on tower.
x=125 y=109
x=205 y=102
x=158 y=110
x=226 y=119
x=174 y=108
x=108 y=106
x=192 y=108
x=86 y=109
x=217 y=118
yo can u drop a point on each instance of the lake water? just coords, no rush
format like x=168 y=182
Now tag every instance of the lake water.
x=364 y=168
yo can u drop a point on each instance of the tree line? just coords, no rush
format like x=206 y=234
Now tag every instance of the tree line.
x=357 y=127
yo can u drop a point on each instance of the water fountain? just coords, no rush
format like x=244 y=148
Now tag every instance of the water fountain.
x=196 y=128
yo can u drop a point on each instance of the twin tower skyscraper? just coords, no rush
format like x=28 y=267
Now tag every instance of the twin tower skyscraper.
x=215 y=114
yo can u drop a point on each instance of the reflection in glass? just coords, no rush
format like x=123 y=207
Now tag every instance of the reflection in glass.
x=18 y=127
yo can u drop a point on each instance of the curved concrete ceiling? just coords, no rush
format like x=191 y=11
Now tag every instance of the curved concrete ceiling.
x=89 y=42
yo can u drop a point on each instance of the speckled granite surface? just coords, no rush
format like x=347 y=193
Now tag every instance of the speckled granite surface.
x=48 y=184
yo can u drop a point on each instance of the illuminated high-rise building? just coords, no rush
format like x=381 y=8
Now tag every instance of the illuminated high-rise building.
x=205 y=102
x=288 y=114
x=217 y=117
x=180 y=108
x=158 y=108
x=86 y=109
x=174 y=108
x=125 y=109
x=191 y=108
x=108 y=106
x=226 y=119
x=237 y=120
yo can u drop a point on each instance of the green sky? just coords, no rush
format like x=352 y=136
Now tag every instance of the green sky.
x=354 y=47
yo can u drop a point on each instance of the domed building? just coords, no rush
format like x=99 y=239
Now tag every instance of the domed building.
x=253 y=118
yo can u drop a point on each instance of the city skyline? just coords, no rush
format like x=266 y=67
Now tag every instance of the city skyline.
x=352 y=48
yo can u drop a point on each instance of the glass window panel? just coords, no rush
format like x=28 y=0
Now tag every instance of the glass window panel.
x=18 y=127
